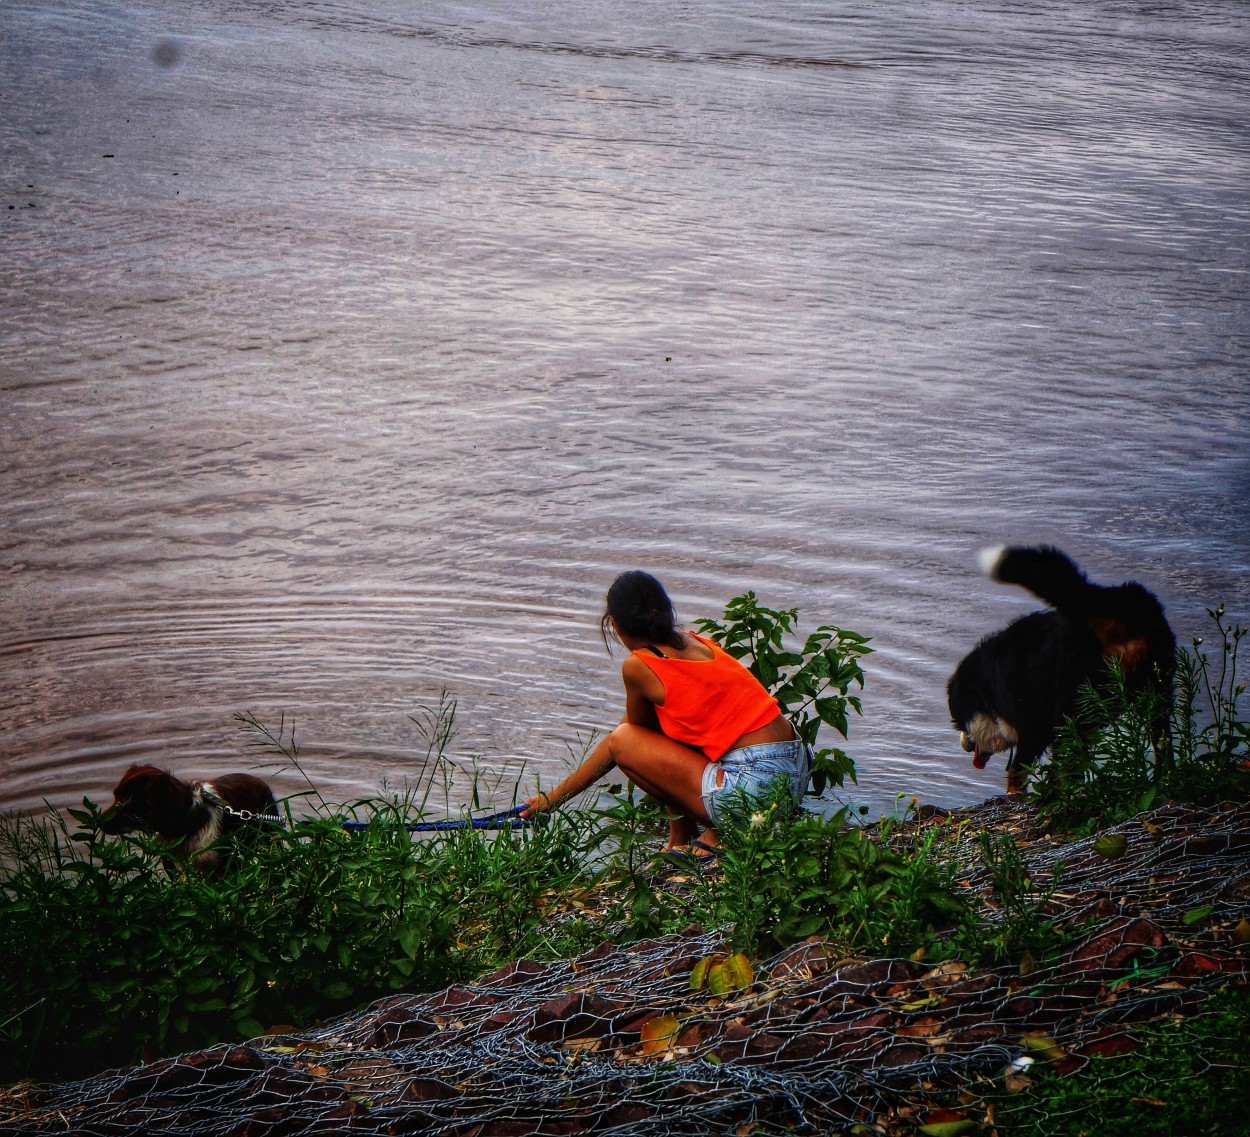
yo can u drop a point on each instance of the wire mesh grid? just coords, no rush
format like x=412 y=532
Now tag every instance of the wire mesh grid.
x=617 y=1042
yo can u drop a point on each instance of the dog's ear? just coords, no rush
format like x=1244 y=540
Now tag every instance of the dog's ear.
x=135 y=777
x=167 y=800
x=122 y=789
x=1118 y=642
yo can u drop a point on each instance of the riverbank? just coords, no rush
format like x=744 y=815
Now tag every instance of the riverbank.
x=1146 y=920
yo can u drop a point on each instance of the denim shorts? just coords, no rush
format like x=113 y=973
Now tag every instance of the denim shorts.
x=748 y=771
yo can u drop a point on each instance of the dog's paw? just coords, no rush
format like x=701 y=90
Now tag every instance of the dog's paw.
x=991 y=560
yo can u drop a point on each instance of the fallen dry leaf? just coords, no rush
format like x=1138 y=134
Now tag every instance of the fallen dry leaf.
x=657 y=1034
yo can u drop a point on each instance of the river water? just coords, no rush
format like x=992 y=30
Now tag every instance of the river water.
x=349 y=350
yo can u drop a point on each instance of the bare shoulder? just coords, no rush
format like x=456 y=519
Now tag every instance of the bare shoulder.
x=634 y=671
x=638 y=677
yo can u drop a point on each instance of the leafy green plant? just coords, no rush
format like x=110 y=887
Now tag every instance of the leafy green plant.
x=627 y=829
x=115 y=950
x=1211 y=739
x=812 y=685
x=109 y=957
x=1103 y=769
x=786 y=874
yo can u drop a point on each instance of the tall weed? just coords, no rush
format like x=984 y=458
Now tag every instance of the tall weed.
x=1018 y=926
x=1107 y=764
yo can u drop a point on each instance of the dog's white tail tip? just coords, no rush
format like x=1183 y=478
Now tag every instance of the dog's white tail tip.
x=991 y=560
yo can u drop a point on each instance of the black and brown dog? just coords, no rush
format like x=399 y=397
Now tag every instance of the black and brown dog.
x=194 y=815
x=1016 y=686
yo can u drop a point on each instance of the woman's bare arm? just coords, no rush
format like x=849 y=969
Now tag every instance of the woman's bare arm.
x=642 y=688
x=597 y=763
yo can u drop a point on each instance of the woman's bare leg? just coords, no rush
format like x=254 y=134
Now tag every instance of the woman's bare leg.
x=668 y=771
x=681 y=831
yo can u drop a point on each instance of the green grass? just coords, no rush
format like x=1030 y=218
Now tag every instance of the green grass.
x=110 y=958
x=1188 y=1077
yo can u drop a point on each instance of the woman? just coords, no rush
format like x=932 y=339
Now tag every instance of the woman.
x=698 y=725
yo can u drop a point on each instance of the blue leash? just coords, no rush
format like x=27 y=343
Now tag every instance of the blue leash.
x=508 y=819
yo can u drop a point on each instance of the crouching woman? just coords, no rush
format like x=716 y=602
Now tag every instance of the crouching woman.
x=698 y=726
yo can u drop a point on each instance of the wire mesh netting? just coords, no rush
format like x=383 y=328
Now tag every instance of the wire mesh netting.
x=617 y=1042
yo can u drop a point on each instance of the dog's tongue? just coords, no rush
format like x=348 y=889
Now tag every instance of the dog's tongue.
x=978 y=759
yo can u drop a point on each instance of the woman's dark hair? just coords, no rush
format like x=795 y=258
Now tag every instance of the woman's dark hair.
x=641 y=609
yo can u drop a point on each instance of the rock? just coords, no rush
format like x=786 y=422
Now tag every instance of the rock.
x=283 y=1085
x=805 y=960
x=761 y=1046
x=623 y=1113
x=575 y=1015
x=394 y=1029
x=429 y=1089
x=1199 y=964
x=902 y=1054
x=970 y=1037
x=863 y=1037
x=220 y=1066
x=1110 y=950
x=500 y=1020
x=808 y=1047
x=734 y=1042
x=695 y=1034
x=1108 y=1044
x=879 y=971
x=604 y=950
x=1030 y=1011
x=689 y=1093
x=458 y=999
x=520 y=972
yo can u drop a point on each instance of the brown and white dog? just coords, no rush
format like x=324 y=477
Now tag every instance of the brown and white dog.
x=1016 y=686
x=192 y=814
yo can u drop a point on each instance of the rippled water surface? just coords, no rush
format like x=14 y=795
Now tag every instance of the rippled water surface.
x=348 y=351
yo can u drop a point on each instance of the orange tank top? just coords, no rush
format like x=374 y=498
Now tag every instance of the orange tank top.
x=711 y=703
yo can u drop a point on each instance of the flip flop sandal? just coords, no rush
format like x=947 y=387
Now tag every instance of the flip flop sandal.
x=684 y=861
x=711 y=853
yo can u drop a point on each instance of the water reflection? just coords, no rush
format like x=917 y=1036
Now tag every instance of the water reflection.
x=376 y=349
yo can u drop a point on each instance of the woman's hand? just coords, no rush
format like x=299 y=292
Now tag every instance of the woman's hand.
x=539 y=803
x=597 y=763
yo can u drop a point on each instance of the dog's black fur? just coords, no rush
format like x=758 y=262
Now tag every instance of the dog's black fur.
x=1016 y=686
x=194 y=815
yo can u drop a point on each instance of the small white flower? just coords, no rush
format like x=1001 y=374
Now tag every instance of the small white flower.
x=757 y=819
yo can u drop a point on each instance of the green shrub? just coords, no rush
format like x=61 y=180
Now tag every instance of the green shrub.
x=811 y=685
x=1018 y=927
x=789 y=874
x=1210 y=738
x=783 y=874
x=109 y=957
